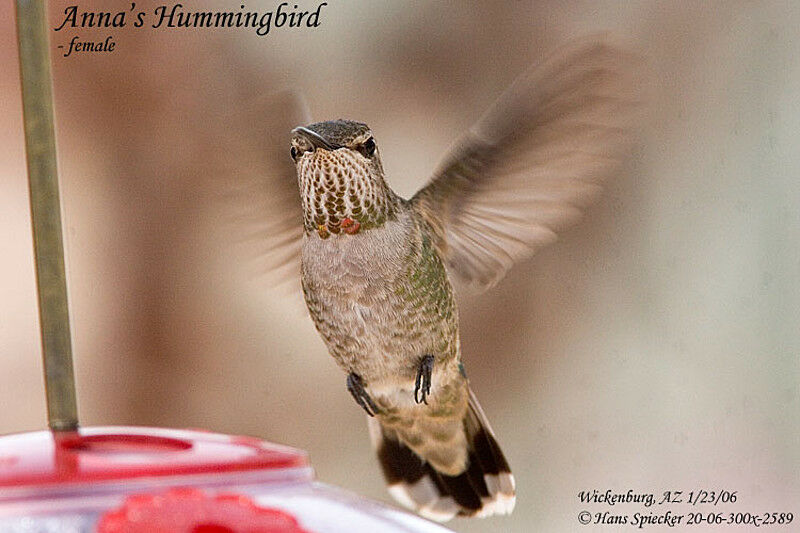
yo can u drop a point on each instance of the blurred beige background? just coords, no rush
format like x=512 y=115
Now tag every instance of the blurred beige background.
x=654 y=346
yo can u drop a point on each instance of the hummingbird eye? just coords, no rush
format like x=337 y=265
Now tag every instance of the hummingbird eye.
x=293 y=153
x=367 y=147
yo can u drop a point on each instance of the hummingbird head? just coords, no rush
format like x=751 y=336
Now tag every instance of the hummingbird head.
x=340 y=176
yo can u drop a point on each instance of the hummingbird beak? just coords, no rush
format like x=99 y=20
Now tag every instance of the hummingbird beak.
x=314 y=138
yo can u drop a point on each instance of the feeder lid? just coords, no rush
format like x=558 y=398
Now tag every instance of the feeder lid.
x=97 y=454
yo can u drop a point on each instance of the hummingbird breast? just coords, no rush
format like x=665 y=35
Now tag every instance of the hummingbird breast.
x=381 y=300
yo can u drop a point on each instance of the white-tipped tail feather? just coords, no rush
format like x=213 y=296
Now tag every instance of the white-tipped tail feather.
x=484 y=488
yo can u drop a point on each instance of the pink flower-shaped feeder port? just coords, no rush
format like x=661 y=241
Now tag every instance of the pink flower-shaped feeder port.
x=188 y=510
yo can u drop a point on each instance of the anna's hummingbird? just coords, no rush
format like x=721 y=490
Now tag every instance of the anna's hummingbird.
x=376 y=267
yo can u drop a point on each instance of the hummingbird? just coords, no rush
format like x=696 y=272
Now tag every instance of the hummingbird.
x=376 y=269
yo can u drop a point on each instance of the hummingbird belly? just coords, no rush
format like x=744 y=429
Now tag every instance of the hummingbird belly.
x=381 y=300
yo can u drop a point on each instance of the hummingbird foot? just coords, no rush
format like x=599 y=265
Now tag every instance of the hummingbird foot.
x=423 y=385
x=356 y=387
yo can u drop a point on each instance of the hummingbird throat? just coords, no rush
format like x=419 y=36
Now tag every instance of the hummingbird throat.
x=342 y=193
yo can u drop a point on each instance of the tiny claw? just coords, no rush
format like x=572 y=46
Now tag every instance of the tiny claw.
x=422 y=386
x=356 y=387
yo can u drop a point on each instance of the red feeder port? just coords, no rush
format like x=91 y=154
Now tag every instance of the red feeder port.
x=193 y=511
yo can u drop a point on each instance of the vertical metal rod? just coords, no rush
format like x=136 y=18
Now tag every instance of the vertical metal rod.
x=37 y=103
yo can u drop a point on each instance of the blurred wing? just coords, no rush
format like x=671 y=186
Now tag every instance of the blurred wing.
x=266 y=200
x=529 y=165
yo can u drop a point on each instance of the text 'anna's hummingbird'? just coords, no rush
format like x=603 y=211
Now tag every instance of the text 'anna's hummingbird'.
x=376 y=267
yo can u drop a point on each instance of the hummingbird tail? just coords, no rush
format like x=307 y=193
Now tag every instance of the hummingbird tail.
x=484 y=488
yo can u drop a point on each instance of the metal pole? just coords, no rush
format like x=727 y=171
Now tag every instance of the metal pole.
x=37 y=103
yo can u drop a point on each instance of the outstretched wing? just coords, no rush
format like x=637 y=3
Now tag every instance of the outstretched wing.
x=529 y=165
x=266 y=198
